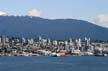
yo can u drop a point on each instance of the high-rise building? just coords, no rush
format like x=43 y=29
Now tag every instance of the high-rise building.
x=40 y=38
x=78 y=43
x=3 y=39
x=87 y=43
x=0 y=39
x=70 y=42
x=23 y=40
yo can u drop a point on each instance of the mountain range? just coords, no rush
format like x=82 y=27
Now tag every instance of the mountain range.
x=26 y=26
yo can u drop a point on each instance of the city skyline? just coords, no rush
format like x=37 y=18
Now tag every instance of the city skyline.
x=89 y=10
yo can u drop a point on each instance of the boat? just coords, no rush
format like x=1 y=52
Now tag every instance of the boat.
x=61 y=54
x=58 y=54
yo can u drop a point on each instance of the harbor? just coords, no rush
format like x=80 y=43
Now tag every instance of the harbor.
x=20 y=46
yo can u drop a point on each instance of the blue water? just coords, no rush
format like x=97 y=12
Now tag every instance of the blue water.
x=72 y=63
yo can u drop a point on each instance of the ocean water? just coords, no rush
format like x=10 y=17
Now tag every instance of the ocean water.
x=44 y=63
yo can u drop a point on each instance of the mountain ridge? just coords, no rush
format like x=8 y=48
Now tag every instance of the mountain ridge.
x=26 y=26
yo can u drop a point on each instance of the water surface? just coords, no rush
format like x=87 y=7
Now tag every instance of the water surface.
x=41 y=63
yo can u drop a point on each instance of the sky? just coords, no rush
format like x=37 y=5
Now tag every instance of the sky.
x=95 y=11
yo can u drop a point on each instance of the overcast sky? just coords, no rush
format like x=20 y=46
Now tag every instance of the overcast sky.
x=91 y=10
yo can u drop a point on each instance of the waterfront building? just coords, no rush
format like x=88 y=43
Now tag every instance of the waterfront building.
x=87 y=43
x=70 y=42
x=23 y=40
x=3 y=40
x=30 y=41
x=49 y=42
x=0 y=39
x=66 y=42
x=40 y=38
x=55 y=43
x=78 y=43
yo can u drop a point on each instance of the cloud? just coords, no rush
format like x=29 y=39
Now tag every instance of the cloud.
x=101 y=19
x=3 y=13
x=34 y=12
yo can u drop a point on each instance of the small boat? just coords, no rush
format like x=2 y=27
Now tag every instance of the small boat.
x=58 y=54
x=105 y=54
x=99 y=55
x=61 y=54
